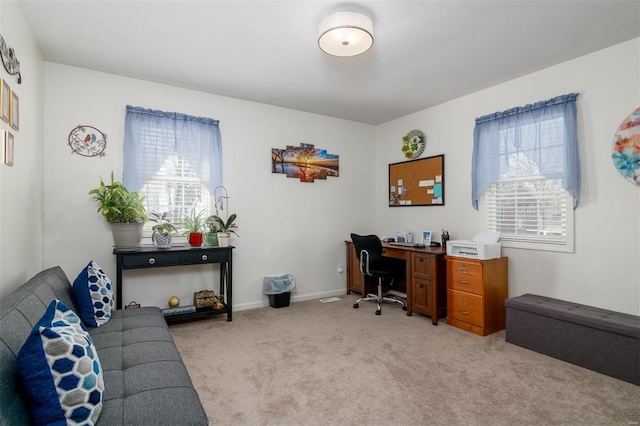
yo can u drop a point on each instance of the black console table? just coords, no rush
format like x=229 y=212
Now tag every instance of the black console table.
x=153 y=257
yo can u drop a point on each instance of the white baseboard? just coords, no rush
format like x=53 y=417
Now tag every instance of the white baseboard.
x=294 y=298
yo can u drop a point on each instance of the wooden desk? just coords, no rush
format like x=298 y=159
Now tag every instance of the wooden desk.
x=426 y=277
x=152 y=257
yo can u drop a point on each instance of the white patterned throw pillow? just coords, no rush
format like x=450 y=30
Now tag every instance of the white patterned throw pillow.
x=93 y=294
x=59 y=370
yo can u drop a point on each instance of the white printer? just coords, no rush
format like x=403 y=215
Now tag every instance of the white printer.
x=484 y=246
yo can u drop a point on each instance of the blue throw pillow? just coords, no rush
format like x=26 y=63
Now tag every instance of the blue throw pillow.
x=59 y=370
x=93 y=294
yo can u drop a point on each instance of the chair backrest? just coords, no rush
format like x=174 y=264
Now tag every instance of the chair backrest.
x=371 y=245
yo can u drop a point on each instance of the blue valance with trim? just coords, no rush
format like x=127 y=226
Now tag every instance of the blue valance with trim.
x=489 y=142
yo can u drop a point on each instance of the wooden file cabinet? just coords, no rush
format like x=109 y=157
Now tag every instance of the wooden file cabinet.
x=428 y=295
x=476 y=291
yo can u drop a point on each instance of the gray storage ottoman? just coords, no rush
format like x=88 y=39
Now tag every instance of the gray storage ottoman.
x=604 y=341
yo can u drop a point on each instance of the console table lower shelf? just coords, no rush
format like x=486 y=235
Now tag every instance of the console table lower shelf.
x=171 y=317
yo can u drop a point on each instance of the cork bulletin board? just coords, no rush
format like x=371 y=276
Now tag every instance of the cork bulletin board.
x=417 y=183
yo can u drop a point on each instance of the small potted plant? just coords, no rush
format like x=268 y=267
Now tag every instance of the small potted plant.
x=123 y=210
x=225 y=228
x=212 y=231
x=162 y=230
x=193 y=225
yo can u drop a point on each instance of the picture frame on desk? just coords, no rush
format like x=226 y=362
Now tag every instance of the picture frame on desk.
x=403 y=237
x=426 y=238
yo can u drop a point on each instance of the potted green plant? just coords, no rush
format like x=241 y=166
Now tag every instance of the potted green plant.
x=211 y=236
x=123 y=210
x=162 y=230
x=225 y=228
x=193 y=225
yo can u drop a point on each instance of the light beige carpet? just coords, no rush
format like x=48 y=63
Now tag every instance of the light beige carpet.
x=315 y=363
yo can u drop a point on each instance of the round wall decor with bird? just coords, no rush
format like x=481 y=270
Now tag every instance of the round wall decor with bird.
x=87 y=141
x=413 y=144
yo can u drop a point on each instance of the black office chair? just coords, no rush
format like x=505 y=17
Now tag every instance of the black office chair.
x=374 y=264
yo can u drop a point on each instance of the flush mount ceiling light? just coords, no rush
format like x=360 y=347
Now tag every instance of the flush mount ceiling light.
x=346 y=34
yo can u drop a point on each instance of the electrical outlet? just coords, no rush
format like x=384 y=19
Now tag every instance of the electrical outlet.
x=340 y=269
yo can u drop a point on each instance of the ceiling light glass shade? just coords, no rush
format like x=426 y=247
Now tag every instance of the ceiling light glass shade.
x=346 y=34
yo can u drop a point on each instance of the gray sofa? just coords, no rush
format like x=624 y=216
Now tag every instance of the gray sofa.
x=146 y=382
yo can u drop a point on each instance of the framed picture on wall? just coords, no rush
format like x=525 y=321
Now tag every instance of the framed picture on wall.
x=8 y=148
x=5 y=93
x=15 y=111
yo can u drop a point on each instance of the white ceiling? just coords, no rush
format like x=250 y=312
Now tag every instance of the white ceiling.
x=425 y=52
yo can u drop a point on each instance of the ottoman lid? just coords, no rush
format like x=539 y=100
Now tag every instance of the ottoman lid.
x=616 y=322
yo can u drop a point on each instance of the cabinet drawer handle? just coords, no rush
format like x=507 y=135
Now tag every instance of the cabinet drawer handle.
x=464 y=312
x=463 y=281
x=151 y=261
x=204 y=257
x=463 y=269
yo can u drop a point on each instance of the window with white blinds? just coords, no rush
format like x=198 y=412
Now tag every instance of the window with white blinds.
x=525 y=173
x=173 y=159
x=527 y=208
x=175 y=189
x=530 y=212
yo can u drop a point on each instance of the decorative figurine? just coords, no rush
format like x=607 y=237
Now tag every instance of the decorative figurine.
x=218 y=303
x=174 y=302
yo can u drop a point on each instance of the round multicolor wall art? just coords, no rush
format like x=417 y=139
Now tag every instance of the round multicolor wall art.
x=626 y=148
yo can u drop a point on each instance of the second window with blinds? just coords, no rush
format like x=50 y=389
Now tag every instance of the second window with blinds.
x=173 y=159
x=526 y=172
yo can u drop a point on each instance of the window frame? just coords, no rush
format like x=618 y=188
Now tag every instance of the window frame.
x=534 y=151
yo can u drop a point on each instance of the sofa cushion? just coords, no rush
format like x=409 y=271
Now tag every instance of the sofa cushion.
x=94 y=295
x=59 y=370
x=146 y=381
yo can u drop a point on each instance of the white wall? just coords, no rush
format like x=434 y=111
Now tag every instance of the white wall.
x=604 y=271
x=288 y=226
x=285 y=226
x=21 y=209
